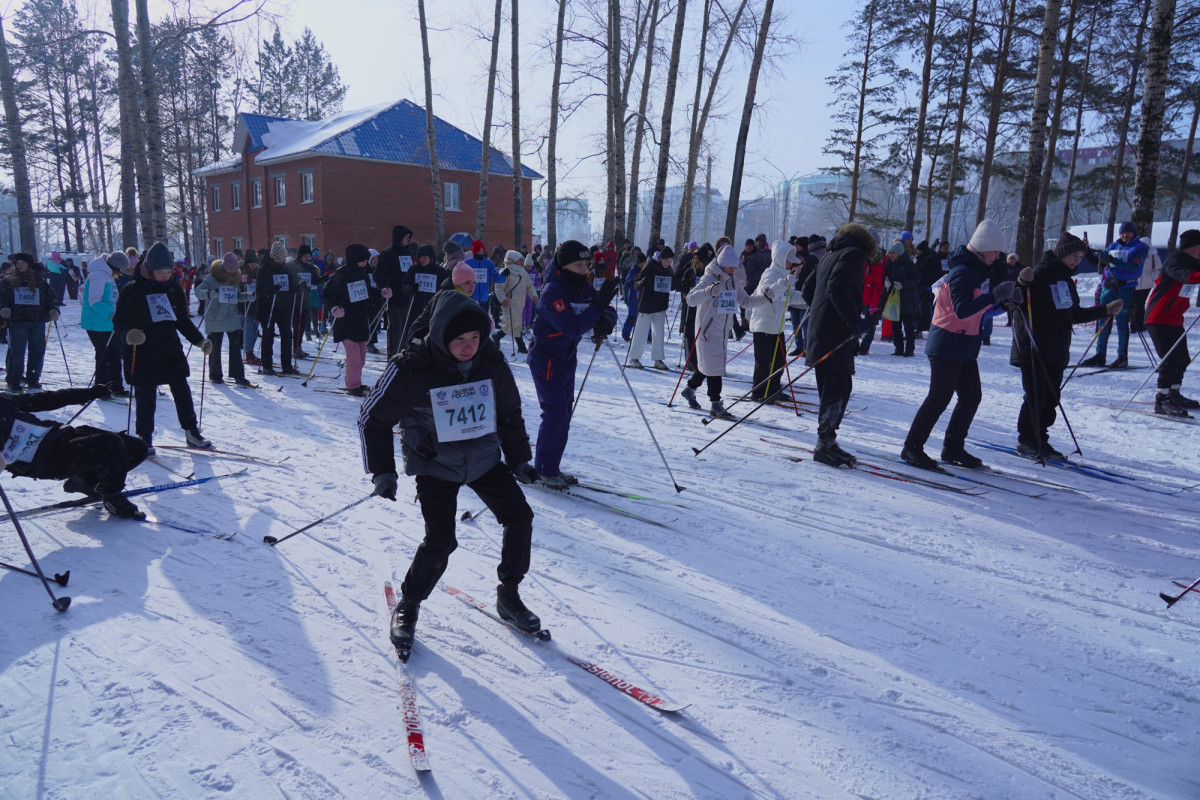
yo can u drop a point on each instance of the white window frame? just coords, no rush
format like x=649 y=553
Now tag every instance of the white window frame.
x=256 y=193
x=309 y=239
x=239 y=244
x=284 y=240
x=306 y=187
x=456 y=203
x=219 y=244
x=235 y=189
x=216 y=197
x=280 y=190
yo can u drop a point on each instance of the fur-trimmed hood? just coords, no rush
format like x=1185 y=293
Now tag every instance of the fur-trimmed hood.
x=853 y=232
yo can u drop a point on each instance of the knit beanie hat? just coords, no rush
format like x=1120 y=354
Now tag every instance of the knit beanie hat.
x=356 y=253
x=158 y=258
x=28 y=259
x=303 y=251
x=1127 y=227
x=1069 y=244
x=726 y=257
x=119 y=261
x=896 y=248
x=464 y=321
x=514 y=257
x=461 y=274
x=229 y=262
x=987 y=237
x=477 y=247
x=451 y=247
x=1189 y=238
x=666 y=252
x=278 y=251
x=571 y=251
x=906 y=236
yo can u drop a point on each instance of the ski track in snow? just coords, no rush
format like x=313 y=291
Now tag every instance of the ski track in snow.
x=837 y=635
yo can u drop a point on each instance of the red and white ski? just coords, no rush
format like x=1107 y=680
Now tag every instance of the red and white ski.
x=408 y=699
x=637 y=693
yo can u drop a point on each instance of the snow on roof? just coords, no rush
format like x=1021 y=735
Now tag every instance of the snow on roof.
x=289 y=138
x=224 y=165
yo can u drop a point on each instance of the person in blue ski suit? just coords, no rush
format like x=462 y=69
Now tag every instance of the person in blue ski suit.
x=1121 y=266
x=568 y=308
x=486 y=274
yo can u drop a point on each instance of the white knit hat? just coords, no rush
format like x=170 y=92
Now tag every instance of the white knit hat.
x=987 y=237
x=726 y=257
x=514 y=257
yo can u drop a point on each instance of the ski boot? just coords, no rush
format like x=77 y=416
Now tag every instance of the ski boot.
x=120 y=506
x=635 y=364
x=556 y=482
x=718 y=412
x=404 y=626
x=1121 y=362
x=1163 y=404
x=512 y=610
x=1095 y=361
x=660 y=364
x=195 y=439
x=828 y=452
x=961 y=458
x=1181 y=401
x=689 y=394
x=918 y=458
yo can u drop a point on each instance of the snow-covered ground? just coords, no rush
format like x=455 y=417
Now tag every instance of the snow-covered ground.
x=837 y=634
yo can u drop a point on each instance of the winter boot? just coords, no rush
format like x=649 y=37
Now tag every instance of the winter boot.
x=511 y=609
x=1051 y=452
x=1095 y=361
x=718 y=411
x=404 y=625
x=917 y=457
x=1121 y=362
x=1181 y=401
x=635 y=364
x=660 y=364
x=521 y=346
x=251 y=359
x=149 y=442
x=120 y=506
x=961 y=458
x=77 y=485
x=194 y=439
x=1163 y=404
x=497 y=336
x=555 y=482
x=689 y=394
x=828 y=452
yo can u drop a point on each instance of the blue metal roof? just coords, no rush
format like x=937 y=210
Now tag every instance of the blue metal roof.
x=395 y=134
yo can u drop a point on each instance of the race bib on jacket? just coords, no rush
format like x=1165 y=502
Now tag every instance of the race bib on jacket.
x=481 y=275
x=26 y=297
x=160 y=308
x=662 y=283
x=405 y=263
x=463 y=412
x=23 y=441
x=305 y=278
x=579 y=308
x=727 y=302
x=597 y=283
x=227 y=294
x=426 y=282
x=1188 y=290
x=1061 y=294
x=357 y=291
x=281 y=282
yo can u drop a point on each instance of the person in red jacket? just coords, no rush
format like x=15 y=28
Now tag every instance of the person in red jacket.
x=1164 y=322
x=872 y=302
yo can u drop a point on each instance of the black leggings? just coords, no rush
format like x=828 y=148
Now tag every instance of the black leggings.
x=947 y=378
x=714 y=384
x=1171 y=369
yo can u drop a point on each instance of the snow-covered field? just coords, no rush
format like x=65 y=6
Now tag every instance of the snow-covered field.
x=837 y=634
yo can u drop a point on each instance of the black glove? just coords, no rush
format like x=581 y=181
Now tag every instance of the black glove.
x=607 y=290
x=1007 y=292
x=1104 y=257
x=385 y=486
x=524 y=472
x=603 y=327
x=101 y=392
x=1112 y=283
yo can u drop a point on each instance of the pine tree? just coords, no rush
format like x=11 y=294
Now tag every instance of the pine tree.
x=319 y=89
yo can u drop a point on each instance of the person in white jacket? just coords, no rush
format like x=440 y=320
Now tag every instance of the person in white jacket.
x=512 y=293
x=777 y=288
x=1151 y=269
x=717 y=298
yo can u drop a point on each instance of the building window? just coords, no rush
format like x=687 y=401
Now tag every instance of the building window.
x=218 y=248
x=310 y=239
x=256 y=193
x=452 y=196
x=236 y=191
x=216 y=198
x=306 y=187
x=239 y=245
x=280 y=191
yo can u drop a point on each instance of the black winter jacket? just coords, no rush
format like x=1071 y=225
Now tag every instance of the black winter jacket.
x=650 y=299
x=403 y=397
x=18 y=408
x=1052 y=306
x=351 y=281
x=161 y=312
x=836 y=290
x=275 y=292
x=904 y=271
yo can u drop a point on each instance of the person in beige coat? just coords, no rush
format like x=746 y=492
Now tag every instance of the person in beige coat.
x=512 y=295
x=718 y=297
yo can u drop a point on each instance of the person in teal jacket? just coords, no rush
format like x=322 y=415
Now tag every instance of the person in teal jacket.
x=99 y=300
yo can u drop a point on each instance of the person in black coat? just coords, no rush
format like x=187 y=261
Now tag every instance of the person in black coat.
x=417 y=286
x=459 y=411
x=1052 y=308
x=348 y=295
x=151 y=314
x=929 y=267
x=654 y=286
x=903 y=274
x=276 y=296
x=834 y=295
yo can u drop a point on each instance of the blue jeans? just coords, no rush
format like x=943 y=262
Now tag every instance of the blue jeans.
x=1121 y=323
x=799 y=328
x=25 y=334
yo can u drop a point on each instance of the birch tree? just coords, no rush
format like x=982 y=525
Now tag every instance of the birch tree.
x=1154 y=96
x=435 y=177
x=664 y=131
x=486 y=156
x=631 y=219
x=552 y=141
x=15 y=136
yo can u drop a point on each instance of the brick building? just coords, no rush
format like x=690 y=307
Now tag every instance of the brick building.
x=350 y=178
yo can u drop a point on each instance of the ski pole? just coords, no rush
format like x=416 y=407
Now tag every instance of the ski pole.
x=638 y=403
x=203 y=382
x=60 y=603
x=849 y=339
x=787 y=371
x=1166 y=355
x=132 y=374
x=1035 y=410
x=1086 y=350
x=63 y=350
x=591 y=361
x=407 y=321
x=271 y=540
x=689 y=360
x=317 y=357
x=744 y=349
x=775 y=352
x=60 y=578
x=1173 y=600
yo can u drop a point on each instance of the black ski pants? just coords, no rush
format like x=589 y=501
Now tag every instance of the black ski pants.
x=833 y=388
x=1170 y=372
x=499 y=491
x=146 y=395
x=101 y=459
x=283 y=322
x=715 y=384
x=1035 y=418
x=108 y=359
x=946 y=379
x=769 y=348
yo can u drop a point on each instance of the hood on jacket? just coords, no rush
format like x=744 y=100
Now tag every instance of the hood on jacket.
x=447 y=306
x=398 y=234
x=783 y=254
x=98 y=269
x=853 y=234
x=427 y=250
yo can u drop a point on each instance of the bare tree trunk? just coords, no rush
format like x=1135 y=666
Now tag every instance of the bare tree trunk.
x=1060 y=91
x=16 y=150
x=611 y=79
x=683 y=218
x=1007 y=24
x=933 y=159
x=552 y=142
x=57 y=150
x=72 y=158
x=518 y=201
x=631 y=218
x=128 y=113
x=616 y=164
x=963 y=90
x=1114 y=196
x=739 y=158
x=1183 y=177
x=1037 y=132
x=1083 y=81
x=914 y=181
x=481 y=205
x=860 y=121
x=154 y=154
x=664 y=133
x=1154 y=97
x=435 y=176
